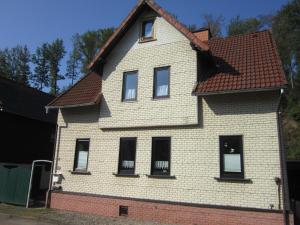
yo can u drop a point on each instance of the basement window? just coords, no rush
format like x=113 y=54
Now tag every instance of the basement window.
x=123 y=210
x=160 y=163
x=81 y=155
x=231 y=157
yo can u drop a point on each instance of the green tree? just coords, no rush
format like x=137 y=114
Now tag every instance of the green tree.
x=73 y=64
x=4 y=65
x=244 y=26
x=85 y=46
x=214 y=24
x=40 y=77
x=286 y=30
x=54 y=54
x=15 y=64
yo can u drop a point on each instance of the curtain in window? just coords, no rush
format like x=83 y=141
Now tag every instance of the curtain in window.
x=161 y=165
x=162 y=90
x=130 y=94
x=232 y=163
x=127 y=164
x=82 y=159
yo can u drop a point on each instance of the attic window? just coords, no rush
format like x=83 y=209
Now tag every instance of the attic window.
x=147 y=31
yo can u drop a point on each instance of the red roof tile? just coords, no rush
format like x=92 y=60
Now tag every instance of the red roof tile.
x=243 y=62
x=87 y=91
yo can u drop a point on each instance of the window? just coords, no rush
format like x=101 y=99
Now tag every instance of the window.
x=231 y=149
x=81 y=154
x=161 y=82
x=129 y=86
x=147 y=30
x=160 y=163
x=127 y=156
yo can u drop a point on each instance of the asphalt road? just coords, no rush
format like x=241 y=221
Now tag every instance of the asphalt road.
x=12 y=220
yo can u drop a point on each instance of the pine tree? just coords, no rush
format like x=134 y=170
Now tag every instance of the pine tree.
x=40 y=77
x=54 y=54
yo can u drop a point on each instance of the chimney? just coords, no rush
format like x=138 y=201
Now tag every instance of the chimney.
x=203 y=34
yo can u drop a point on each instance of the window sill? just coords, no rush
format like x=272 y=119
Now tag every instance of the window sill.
x=145 y=40
x=126 y=175
x=161 y=176
x=80 y=172
x=236 y=180
x=129 y=100
x=160 y=98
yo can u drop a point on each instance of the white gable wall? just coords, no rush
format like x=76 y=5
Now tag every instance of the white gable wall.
x=170 y=49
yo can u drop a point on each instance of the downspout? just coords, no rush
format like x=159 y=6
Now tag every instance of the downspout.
x=285 y=197
x=52 y=166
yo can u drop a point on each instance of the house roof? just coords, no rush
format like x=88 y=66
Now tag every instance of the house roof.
x=244 y=62
x=25 y=101
x=131 y=18
x=87 y=91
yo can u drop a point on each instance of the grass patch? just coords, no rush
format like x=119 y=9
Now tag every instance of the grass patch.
x=33 y=213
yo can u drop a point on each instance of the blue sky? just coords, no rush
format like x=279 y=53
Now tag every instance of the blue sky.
x=33 y=22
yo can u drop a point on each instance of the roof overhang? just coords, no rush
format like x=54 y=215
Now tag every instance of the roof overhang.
x=238 y=91
x=69 y=106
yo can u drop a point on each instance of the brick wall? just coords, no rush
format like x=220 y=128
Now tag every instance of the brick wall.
x=165 y=213
x=194 y=154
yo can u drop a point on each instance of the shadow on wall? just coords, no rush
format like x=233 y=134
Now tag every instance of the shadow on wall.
x=125 y=44
x=243 y=103
x=88 y=114
x=105 y=111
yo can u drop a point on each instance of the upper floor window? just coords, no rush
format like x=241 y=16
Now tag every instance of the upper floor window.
x=127 y=155
x=129 y=86
x=161 y=82
x=161 y=153
x=81 y=154
x=147 y=29
x=231 y=153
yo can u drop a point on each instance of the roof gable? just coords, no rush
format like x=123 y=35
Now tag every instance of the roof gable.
x=130 y=19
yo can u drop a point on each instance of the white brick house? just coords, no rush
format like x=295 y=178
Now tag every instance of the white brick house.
x=136 y=136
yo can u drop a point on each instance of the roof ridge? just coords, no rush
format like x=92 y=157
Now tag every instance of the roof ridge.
x=240 y=35
x=26 y=86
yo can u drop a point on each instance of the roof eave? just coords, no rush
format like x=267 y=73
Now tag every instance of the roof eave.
x=70 y=106
x=95 y=102
x=239 y=91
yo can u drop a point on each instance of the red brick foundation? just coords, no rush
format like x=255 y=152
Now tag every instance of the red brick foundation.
x=163 y=212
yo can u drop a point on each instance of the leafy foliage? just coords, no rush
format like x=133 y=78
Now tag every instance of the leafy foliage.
x=244 y=26
x=15 y=64
x=85 y=46
x=286 y=29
